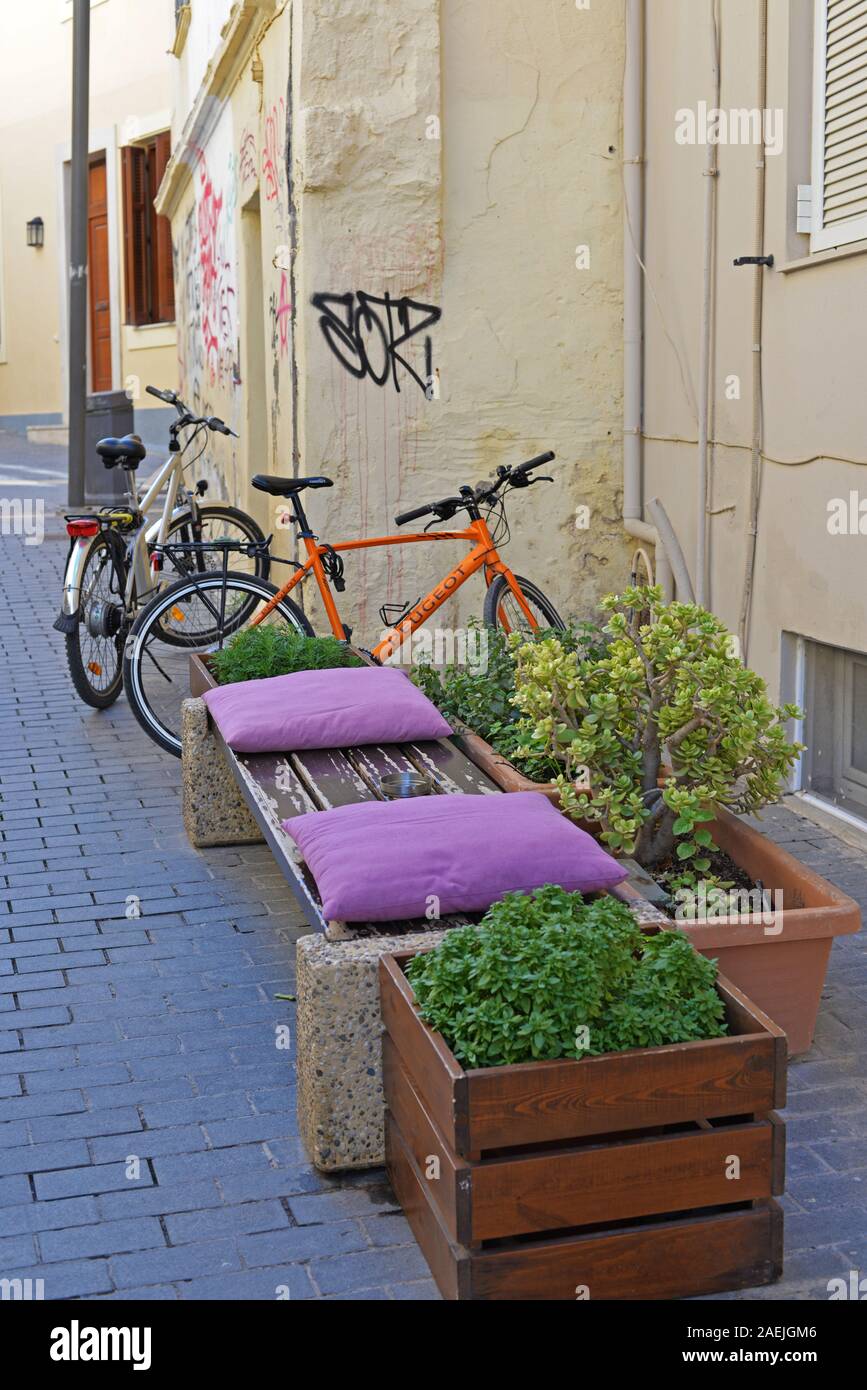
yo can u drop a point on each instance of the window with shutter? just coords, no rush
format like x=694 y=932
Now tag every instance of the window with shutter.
x=148 y=270
x=840 y=124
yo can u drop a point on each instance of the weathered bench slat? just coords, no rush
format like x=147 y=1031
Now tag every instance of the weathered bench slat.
x=330 y=778
x=451 y=769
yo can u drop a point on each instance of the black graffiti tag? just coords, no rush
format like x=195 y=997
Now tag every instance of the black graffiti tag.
x=364 y=331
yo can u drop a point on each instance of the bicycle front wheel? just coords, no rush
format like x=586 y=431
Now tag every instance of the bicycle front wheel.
x=213 y=606
x=502 y=609
x=216 y=522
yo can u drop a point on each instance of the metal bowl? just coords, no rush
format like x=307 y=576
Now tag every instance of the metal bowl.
x=396 y=786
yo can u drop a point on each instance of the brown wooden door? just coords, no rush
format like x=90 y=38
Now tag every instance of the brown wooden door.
x=100 y=296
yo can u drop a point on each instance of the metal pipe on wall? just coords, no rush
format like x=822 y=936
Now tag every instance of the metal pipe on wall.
x=633 y=190
x=711 y=174
x=633 y=336
x=758 y=308
x=78 y=249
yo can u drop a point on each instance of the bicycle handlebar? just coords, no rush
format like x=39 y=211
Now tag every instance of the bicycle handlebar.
x=414 y=515
x=533 y=463
x=213 y=422
x=446 y=508
x=168 y=396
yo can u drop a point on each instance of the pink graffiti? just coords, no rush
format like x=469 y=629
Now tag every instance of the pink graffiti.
x=217 y=293
x=271 y=154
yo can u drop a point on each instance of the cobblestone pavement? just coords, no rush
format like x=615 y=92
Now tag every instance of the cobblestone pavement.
x=154 y=1036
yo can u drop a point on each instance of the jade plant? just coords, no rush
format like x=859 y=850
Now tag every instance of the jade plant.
x=262 y=651
x=548 y=976
x=478 y=696
x=668 y=723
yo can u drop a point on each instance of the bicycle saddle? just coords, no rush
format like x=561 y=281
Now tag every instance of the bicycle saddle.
x=284 y=487
x=128 y=451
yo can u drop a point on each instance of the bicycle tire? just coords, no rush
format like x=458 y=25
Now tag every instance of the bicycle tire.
x=245 y=524
x=497 y=590
x=79 y=663
x=136 y=643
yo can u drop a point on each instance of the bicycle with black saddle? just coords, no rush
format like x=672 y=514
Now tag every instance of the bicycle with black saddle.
x=119 y=560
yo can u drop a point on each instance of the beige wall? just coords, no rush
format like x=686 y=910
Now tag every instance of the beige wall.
x=131 y=96
x=815 y=404
x=482 y=222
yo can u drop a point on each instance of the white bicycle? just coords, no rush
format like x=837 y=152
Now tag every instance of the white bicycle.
x=119 y=562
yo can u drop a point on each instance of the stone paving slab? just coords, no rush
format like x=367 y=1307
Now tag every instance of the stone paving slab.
x=148 y=1139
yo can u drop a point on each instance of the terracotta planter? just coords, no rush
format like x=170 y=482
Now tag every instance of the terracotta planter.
x=608 y=1173
x=782 y=970
x=781 y=965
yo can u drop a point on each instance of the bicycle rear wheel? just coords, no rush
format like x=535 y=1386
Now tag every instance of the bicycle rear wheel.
x=94 y=647
x=503 y=611
x=156 y=676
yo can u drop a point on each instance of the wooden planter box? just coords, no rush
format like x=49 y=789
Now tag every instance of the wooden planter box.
x=200 y=676
x=607 y=1175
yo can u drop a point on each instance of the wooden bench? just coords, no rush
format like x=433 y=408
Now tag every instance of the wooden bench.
x=231 y=798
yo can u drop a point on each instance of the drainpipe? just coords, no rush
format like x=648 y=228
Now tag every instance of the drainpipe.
x=758 y=305
x=711 y=173
x=633 y=237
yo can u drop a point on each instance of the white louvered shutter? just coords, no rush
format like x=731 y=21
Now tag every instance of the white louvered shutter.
x=840 y=124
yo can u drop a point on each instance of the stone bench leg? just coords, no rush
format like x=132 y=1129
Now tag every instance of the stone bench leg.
x=339 y=1053
x=215 y=812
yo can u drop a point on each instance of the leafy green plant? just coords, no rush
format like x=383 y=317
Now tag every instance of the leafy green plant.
x=669 y=723
x=481 y=699
x=549 y=975
x=277 y=651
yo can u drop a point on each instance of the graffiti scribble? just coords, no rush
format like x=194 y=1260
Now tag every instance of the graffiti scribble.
x=247 y=157
x=216 y=291
x=272 y=161
x=365 y=340
x=281 y=316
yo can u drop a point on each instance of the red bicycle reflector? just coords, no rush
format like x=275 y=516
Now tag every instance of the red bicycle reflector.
x=82 y=528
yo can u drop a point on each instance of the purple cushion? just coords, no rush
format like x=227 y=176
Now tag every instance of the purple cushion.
x=378 y=861
x=323 y=709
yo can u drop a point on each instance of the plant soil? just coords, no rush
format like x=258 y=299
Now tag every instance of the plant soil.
x=722 y=867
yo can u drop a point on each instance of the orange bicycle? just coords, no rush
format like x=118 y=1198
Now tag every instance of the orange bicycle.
x=512 y=603
x=212 y=602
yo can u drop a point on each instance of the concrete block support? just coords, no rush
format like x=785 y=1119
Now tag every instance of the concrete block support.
x=339 y=1066
x=214 y=810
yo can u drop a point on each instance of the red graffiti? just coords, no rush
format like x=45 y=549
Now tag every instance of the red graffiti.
x=281 y=316
x=271 y=153
x=216 y=292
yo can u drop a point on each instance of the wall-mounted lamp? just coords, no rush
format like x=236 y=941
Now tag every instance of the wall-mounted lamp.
x=36 y=232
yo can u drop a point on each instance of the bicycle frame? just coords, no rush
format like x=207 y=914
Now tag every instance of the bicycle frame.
x=483 y=555
x=139 y=576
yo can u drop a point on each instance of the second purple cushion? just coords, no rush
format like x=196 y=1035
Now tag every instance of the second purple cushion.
x=324 y=709
x=380 y=861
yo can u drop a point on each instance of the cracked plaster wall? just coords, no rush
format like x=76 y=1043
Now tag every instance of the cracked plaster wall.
x=457 y=154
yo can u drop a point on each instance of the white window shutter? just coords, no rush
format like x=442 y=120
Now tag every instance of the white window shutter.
x=840 y=124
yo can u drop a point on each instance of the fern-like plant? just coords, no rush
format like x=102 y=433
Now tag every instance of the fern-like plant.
x=262 y=651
